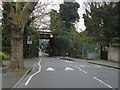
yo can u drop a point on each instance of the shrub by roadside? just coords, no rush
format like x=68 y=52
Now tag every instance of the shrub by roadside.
x=4 y=56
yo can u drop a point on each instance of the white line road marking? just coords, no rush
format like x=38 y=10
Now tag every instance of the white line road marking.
x=34 y=73
x=90 y=66
x=68 y=61
x=68 y=68
x=97 y=66
x=103 y=82
x=80 y=69
x=82 y=65
x=50 y=69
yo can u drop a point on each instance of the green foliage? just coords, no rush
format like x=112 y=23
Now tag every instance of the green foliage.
x=116 y=42
x=68 y=11
x=4 y=56
x=56 y=23
x=30 y=31
x=20 y=70
x=6 y=34
x=102 y=21
x=65 y=36
x=69 y=40
x=63 y=44
x=69 y=14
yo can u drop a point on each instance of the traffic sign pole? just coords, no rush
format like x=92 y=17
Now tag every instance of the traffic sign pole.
x=29 y=42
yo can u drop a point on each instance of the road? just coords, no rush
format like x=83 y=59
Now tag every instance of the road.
x=49 y=72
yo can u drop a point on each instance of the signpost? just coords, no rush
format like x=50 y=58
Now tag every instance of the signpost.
x=29 y=42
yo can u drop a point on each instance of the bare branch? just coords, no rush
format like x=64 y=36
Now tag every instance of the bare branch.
x=41 y=13
x=26 y=12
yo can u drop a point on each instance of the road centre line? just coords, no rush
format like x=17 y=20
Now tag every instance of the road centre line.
x=103 y=83
x=80 y=69
x=34 y=73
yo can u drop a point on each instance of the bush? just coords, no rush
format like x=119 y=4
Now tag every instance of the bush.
x=116 y=42
x=4 y=56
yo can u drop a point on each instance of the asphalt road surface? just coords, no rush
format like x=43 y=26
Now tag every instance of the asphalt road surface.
x=49 y=72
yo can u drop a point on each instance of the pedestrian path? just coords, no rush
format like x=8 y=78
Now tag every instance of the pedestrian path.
x=105 y=63
x=98 y=62
x=9 y=79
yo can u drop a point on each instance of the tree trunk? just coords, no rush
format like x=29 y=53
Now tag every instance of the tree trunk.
x=17 y=21
x=17 y=48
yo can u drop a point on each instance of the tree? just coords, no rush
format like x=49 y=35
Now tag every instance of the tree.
x=93 y=21
x=63 y=28
x=17 y=19
x=111 y=21
x=30 y=30
x=56 y=26
x=6 y=34
x=69 y=14
x=56 y=23
x=101 y=21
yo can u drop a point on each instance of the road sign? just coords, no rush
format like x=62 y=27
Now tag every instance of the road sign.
x=29 y=40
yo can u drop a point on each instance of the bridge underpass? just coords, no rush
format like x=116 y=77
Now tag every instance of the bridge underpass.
x=45 y=38
x=45 y=34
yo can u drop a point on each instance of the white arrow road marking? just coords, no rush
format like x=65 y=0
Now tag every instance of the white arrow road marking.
x=103 y=82
x=82 y=65
x=68 y=68
x=34 y=73
x=50 y=69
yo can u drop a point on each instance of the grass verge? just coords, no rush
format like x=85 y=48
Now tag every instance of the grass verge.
x=20 y=70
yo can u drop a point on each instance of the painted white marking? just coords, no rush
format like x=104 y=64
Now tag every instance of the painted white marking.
x=34 y=73
x=80 y=69
x=50 y=69
x=97 y=66
x=68 y=61
x=82 y=65
x=68 y=68
x=102 y=82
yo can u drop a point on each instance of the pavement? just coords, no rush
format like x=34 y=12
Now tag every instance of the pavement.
x=9 y=79
x=106 y=63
